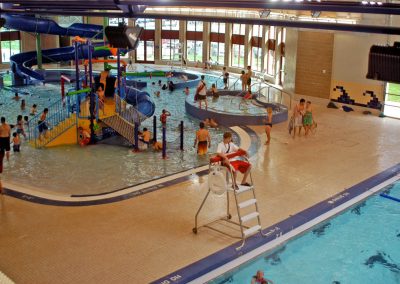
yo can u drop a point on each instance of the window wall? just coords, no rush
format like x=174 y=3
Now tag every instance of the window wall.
x=117 y=21
x=217 y=43
x=145 y=50
x=256 y=48
x=194 y=41
x=170 y=40
x=238 y=32
x=10 y=44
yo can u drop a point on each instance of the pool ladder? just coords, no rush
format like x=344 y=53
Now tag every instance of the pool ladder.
x=249 y=221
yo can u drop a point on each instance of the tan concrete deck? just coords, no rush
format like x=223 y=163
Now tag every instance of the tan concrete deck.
x=145 y=238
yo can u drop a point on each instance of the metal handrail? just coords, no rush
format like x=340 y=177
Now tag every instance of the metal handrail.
x=234 y=85
x=268 y=87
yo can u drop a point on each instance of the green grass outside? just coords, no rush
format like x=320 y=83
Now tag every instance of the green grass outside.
x=393 y=91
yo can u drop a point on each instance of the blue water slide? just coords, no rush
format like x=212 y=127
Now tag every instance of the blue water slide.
x=140 y=100
x=48 y=26
x=21 y=63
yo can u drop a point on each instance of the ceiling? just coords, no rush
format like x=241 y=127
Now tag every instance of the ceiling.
x=293 y=10
x=131 y=8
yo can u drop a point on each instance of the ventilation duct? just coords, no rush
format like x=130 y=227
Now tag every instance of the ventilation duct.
x=384 y=63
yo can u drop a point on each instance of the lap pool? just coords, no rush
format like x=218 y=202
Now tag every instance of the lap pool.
x=362 y=245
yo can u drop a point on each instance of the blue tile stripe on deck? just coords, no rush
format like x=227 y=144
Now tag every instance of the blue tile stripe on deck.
x=36 y=199
x=222 y=257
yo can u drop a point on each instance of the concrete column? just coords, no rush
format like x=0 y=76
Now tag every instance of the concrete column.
x=247 y=45
x=228 y=44
x=206 y=41
x=264 y=49
x=278 y=53
x=157 y=42
x=291 y=58
x=182 y=37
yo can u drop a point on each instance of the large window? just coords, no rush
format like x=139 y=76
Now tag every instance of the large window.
x=147 y=24
x=218 y=28
x=145 y=50
x=194 y=26
x=256 y=48
x=217 y=43
x=10 y=44
x=194 y=50
x=170 y=46
x=271 y=43
x=194 y=41
x=238 y=31
x=171 y=25
x=217 y=52
x=237 y=55
x=117 y=21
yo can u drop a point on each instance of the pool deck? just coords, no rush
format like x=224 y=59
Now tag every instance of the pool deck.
x=142 y=239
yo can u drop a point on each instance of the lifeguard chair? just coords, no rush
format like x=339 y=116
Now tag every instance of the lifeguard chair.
x=220 y=182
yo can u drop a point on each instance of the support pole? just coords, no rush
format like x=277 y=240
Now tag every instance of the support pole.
x=86 y=76
x=105 y=24
x=39 y=51
x=118 y=78
x=136 y=134
x=92 y=104
x=181 y=128
x=76 y=66
x=154 y=129
x=164 y=143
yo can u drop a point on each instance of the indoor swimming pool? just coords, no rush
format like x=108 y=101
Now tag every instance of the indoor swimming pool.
x=361 y=245
x=109 y=165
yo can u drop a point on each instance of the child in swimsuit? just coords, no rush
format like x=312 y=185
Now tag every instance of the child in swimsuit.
x=16 y=142
x=20 y=126
x=202 y=140
x=308 y=118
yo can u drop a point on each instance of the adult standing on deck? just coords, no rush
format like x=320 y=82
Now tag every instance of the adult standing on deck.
x=298 y=113
x=5 y=134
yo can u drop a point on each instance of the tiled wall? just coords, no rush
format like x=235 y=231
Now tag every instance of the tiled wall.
x=314 y=63
x=357 y=94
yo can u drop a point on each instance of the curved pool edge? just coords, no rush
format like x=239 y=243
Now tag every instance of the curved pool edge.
x=249 y=140
x=228 y=258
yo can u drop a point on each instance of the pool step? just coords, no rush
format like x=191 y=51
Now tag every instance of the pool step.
x=243 y=188
x=250 y=216
x=252 y=230
x=246 y=203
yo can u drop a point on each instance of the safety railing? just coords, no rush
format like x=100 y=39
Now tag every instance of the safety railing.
x=271 y=93
x=58 y=119
x=128 y=112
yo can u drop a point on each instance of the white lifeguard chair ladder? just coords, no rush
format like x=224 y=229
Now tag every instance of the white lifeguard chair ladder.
x=178 y=56
x=221 y=181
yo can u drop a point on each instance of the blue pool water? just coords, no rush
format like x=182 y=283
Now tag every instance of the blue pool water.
x=102 y=168
x=361 y=246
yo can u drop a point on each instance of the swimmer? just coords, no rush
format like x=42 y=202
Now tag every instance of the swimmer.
x=157 y=146
x=259 y=278
x=16 y=142
x=202 y=140
x=186 y=91
x=33 y=110
x=16 y=96
x=23 y=105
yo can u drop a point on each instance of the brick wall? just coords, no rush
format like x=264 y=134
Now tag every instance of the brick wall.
x=314 y=63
